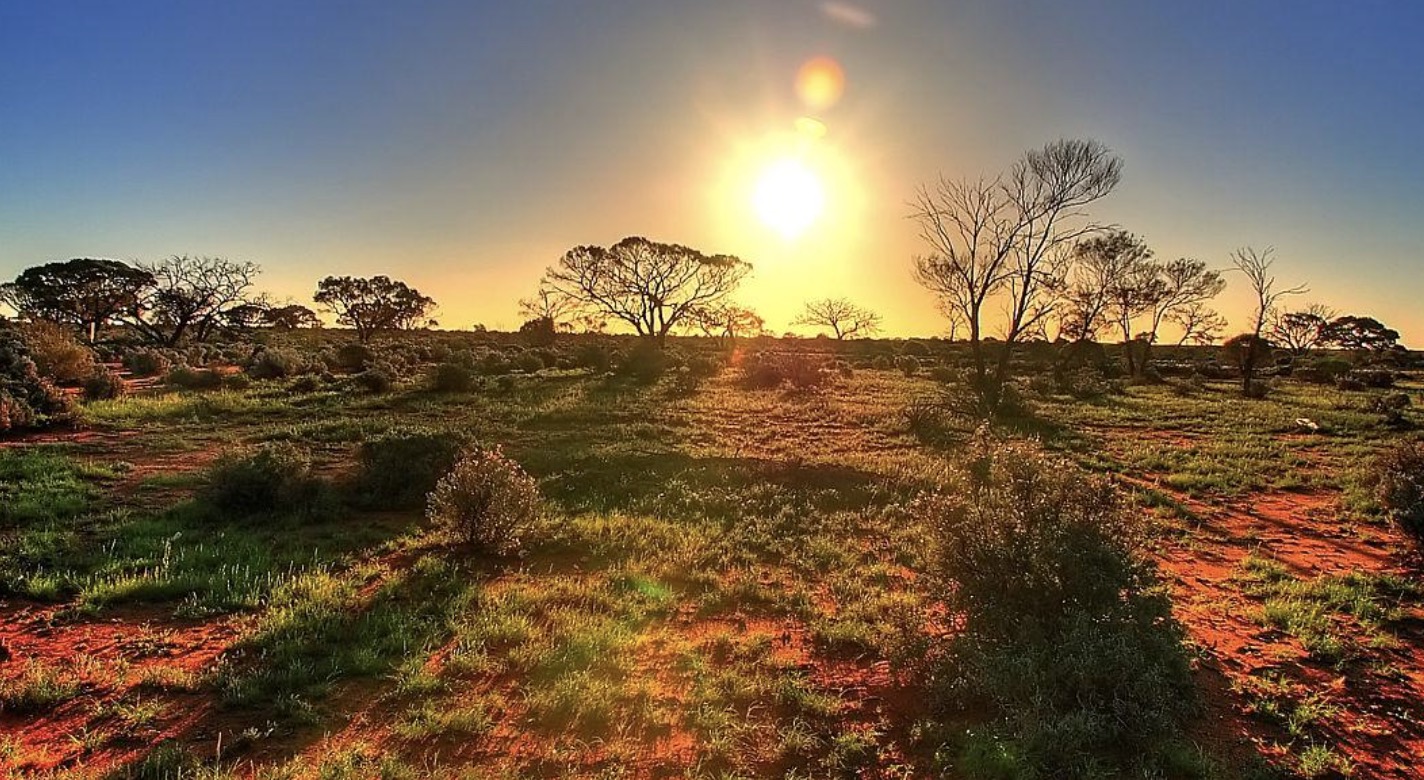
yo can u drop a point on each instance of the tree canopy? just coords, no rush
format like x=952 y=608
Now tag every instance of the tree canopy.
x=375 y=304
x=86 y=292
x=649 y=285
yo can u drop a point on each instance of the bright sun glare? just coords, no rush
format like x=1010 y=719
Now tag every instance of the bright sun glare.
x=788 y=197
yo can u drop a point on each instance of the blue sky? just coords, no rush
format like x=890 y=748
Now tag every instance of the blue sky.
x=464 y=145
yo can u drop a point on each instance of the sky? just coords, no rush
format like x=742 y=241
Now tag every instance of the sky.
x=463 y=146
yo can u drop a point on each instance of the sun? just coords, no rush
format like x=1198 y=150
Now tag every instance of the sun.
x=788 y=197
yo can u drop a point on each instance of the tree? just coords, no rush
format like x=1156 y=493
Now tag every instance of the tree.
x=1256 y=266
x=1006 y=237
x=375 y=304
x=1200 y=324
x=292 y=316
x=191 y=297
x=86 y=292
x=550 y=304
x=651 y=286
x=1114 y=281
x=1184 y=286
x=1359 y=334
x=726 y=322
x=1300 y=331
x=845 y=319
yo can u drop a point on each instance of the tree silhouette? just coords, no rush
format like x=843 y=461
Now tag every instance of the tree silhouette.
x=1004 y=237
x=651 y=286
x=1256 y=266
x=375 y=304
x=85 y=292
x=845 y=319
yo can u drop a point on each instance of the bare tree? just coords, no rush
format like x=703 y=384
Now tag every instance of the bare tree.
x=1301 y=331
x=845 y=319
x=1256 y=266
x=191 y=297
x=1007 y=237
x=726 y=322
x=1200 y=324
x=649 y=285
x=550 y=304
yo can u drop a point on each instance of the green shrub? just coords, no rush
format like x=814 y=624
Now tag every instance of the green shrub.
x=529 y=362
x=273 y=363
x=396 y=469
x=1398 y=475
x=236 y=381
x=374 y=380
x=306 y=383
x=451 y=377
x=704 y=366
x=27 y=400
x=645 y=362
x=486 y=500
x=58 y=355
x=1066 y=634
x=1323 y=370
x=767 y=370
x=146 y=362
x=594 y=357
x=194 y=378
x=103 y=385
x=275 y=478
x=352 y=357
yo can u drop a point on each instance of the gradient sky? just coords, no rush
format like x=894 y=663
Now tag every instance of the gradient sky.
x=463 y=146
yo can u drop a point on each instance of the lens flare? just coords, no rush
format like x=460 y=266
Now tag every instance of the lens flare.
x=820 y=83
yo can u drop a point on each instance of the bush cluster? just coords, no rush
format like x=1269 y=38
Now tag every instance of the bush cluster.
x=768 y=370
x=1398 y=475
x=396 y=469
x=488 y=501
x=272 y=479
x=27 y=400
x=1066 y=634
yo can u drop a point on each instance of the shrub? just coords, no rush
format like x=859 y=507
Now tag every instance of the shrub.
x=529 y=362
x=57 y=354
x=236 y=381
x=486 y=500
x=272 y=363
x=704 y=366
x=1398 y=475
x=306 y=383
x=944 y=375
x=1380 y=379
x=883 y=363
x=927 y=419
x=907 y=364
x=644 y=363
x=398 y=468
x=27 y=400
x=374 y=380
x=103 y=385
x=147 y=362
x=1323 y=370
x=194 y=378
x=352 y=357
x=266 y=480
x=451 y=377
x=594 y=357
x=767 y=370
x=1065 y=634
